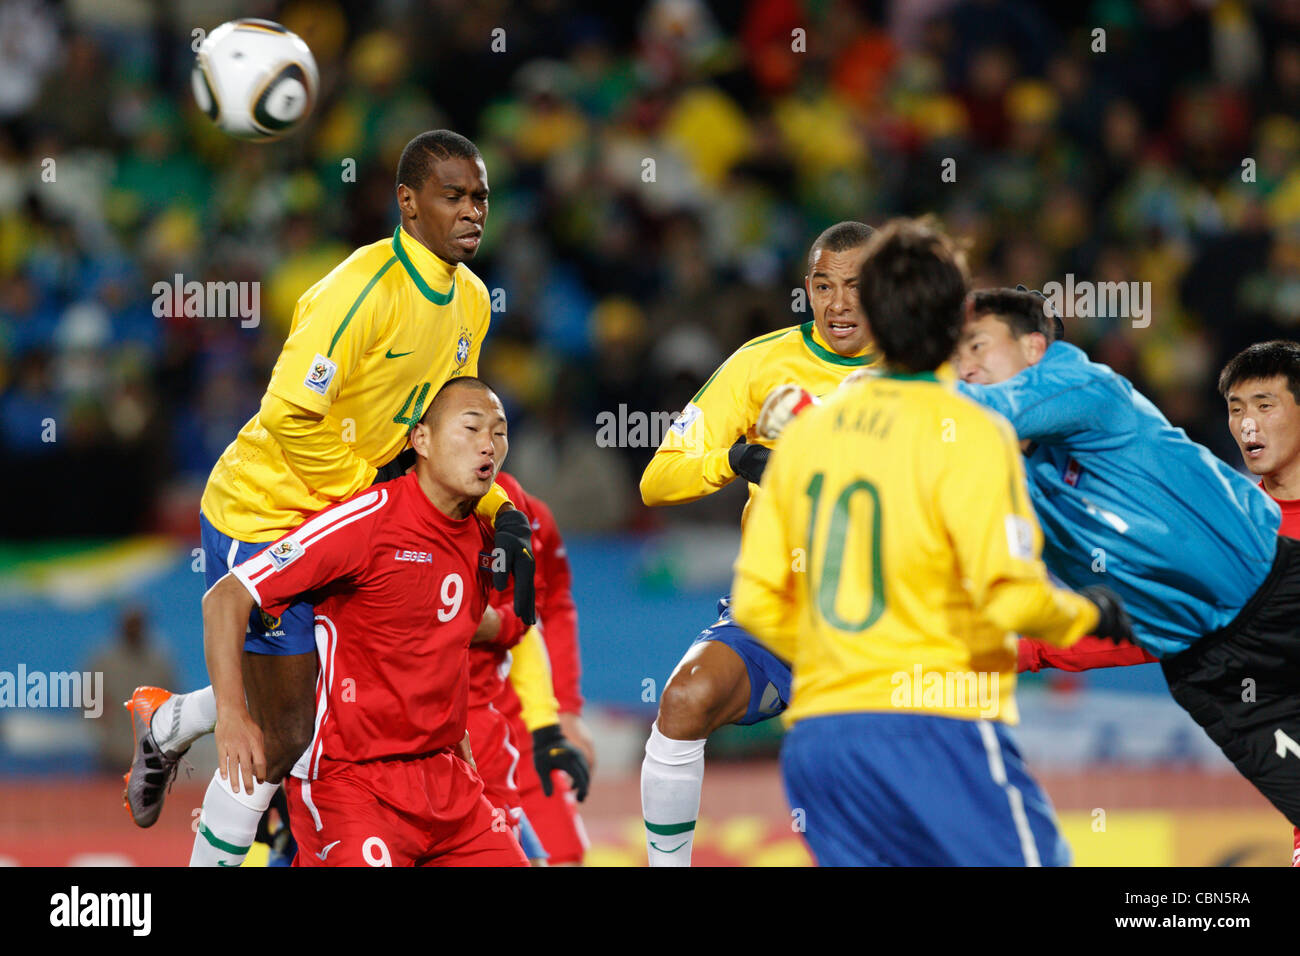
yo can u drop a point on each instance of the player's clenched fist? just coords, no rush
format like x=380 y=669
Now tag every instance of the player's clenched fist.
x=780 y=407
x=240 y=753
x=513 y=542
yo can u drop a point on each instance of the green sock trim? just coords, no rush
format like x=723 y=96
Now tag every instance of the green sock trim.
x=671 y=829
x=221 y=844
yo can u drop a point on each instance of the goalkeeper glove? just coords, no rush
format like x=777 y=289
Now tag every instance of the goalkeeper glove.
x=552 y=751
x=395 y=468
x=780 y=408
x=513 y=541
x=1112 y=619
x=748 y=461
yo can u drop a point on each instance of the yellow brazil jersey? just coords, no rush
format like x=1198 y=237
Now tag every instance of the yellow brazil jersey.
x=892 y=551
x=369 y=344
x=692 y=459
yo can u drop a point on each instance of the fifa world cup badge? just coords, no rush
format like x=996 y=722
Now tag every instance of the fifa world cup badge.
x=284 y=552
x=320 y=374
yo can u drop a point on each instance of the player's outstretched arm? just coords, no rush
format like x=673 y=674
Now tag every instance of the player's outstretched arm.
x=240 y=751
x=1051 y=406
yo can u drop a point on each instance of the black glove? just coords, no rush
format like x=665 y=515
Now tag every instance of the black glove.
x=513 y=541
x=552 y=751
x=1058 y=327
x=395 y=468
x=748 y=461
x=1113 y=622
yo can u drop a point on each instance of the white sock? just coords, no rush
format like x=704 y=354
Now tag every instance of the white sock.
x=183 y=719
x=228 y=822
x=672 y=776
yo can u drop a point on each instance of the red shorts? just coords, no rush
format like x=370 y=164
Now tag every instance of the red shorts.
x=423 y=811
x=496 y=757
x=554 y=818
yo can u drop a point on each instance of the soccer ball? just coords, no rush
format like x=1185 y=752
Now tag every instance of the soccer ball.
x=255 y=79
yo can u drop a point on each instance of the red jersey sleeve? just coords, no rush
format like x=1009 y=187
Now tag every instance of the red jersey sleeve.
x=512 y=626
x=331 y=546
x=1086 y=654
x=555 y=608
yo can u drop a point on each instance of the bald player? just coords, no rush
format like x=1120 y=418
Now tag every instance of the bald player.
x=368 y=345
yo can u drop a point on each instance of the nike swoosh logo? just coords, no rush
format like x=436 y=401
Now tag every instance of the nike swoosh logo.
x=224 y=863
x=389 y=354
x=325 y=850
x=673 y=850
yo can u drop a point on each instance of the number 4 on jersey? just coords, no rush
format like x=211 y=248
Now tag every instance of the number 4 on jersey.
x=410 y=421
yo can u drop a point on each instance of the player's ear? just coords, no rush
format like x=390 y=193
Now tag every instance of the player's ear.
x=1034 y=344
x=422 y=439
x=406 y=200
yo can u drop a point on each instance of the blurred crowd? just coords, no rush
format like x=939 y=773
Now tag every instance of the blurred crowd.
x=1119 y=140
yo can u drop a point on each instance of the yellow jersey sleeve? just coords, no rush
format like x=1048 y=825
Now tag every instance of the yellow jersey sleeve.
x=691 y=462
x=315 y=452
x=530 y=675
x=763 y=599
x=492 y=502
x=334 y=325
x=985 y=507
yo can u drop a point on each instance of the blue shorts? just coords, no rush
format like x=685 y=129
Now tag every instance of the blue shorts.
x=769 y=676
x=529 y=840
x=887 y=789
x=293 y=632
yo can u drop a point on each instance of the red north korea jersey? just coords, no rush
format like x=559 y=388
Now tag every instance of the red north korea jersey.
x=398 y=593
x=1290 y=527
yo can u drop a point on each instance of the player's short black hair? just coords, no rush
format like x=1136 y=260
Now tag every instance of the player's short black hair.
x=912 y=287
x=460 y=381
x=839 y=238
x=1021 y=311
x=430 y=147
x=1263 y=360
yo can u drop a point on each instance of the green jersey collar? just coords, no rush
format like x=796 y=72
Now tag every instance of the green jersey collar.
x=825 y=354
x=426 y=290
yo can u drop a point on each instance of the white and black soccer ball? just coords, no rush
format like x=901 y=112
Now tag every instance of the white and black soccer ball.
x=255 y=79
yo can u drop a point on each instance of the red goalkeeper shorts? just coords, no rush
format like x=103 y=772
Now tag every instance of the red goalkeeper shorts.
x=422 y=811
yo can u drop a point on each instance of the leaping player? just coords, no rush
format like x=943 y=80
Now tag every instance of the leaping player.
x=727 y=677
x=1192 y=548
x=369 y=344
